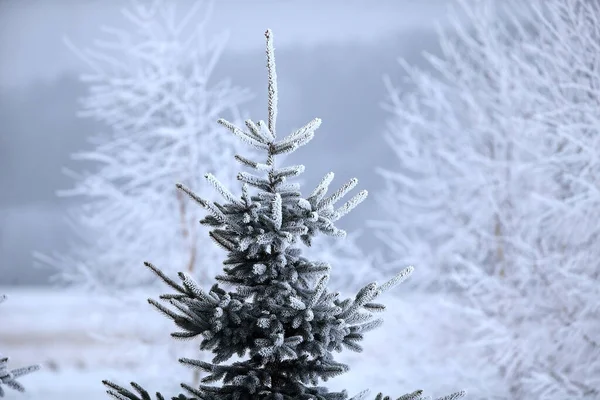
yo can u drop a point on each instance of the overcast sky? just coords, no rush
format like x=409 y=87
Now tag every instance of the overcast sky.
x=333 y=52
x=31 y=31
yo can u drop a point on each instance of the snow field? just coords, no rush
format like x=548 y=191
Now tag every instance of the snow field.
x=80 y=340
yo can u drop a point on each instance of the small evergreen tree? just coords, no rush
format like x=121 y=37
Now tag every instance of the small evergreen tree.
x=8 y=377
x=281 y=315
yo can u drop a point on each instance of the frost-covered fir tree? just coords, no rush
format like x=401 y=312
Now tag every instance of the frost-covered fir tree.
x=281 y=320
x=8 y=377
x=151 y=87
x=496 y=187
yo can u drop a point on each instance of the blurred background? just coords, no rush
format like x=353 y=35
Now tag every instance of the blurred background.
x=325 y=52
x=88 y=164
x=331 y=58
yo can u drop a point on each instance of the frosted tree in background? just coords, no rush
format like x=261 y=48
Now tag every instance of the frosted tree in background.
x=280 y=320
x=151 y=85
x=496 y=190
x=8 y=378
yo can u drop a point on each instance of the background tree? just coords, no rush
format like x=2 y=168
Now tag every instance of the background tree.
x=151 y=86
x=8 y=378
x=496 y=191
x=281 y=320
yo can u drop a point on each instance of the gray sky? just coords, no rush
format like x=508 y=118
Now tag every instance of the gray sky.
x=334 y=54
x=31 y=31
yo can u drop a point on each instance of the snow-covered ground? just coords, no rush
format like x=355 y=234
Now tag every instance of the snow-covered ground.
x=80 y=340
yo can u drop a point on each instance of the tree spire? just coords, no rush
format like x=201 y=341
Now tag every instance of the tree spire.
x=272 y=87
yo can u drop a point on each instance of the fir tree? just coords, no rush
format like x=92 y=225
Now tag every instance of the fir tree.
x=8 y=377
x=281 y=317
